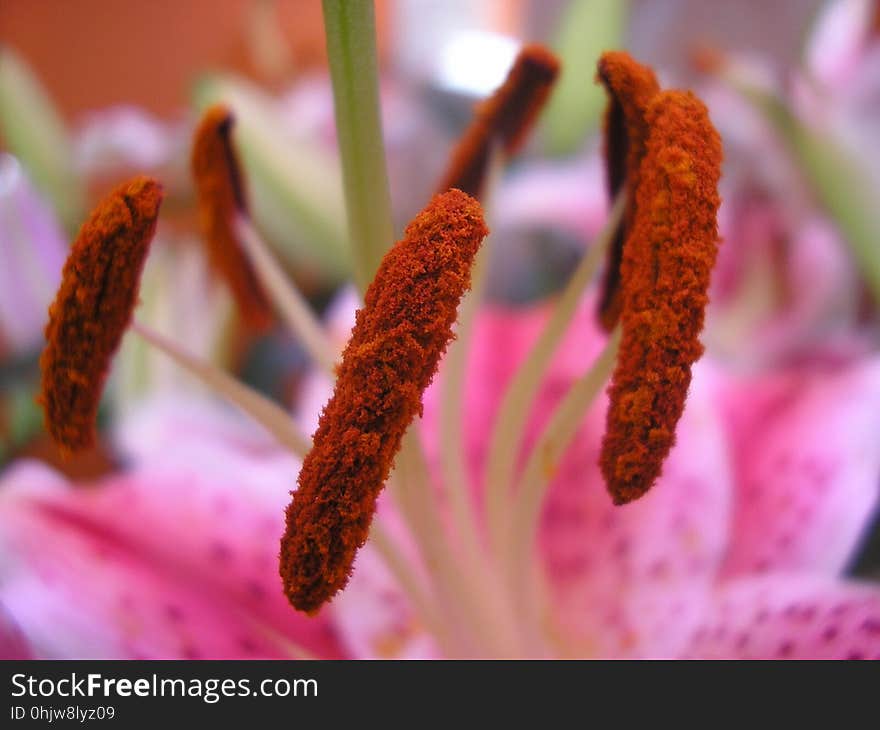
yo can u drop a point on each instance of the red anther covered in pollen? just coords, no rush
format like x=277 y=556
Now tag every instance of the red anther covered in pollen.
x=504 y=118
x=93 y=307
x=220 y=188
x=667 y=262
x=631 y=87
x=395 y=346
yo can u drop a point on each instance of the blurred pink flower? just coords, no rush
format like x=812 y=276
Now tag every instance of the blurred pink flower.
x=787 y=285
x=32 y=252
x=174 y=558
x=837 y=89
x=739 y=549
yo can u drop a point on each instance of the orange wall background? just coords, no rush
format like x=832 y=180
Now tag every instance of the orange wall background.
x=92 y=53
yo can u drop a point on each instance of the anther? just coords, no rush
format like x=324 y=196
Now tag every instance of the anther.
x=667 y=261
x=395 y=346
x=631 y=87
x=93 y=307
x=504 y=118
x=221 y=194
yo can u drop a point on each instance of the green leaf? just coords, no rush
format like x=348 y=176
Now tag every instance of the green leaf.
x=840 y=184
x=294 y=187
x=587 y=29
x=35 y=133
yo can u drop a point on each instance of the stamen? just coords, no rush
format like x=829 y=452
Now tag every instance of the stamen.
x=631 y=87
x=667 y=261
x=290 y=303
x=272 y=417
x=512 y=415
x=220 y=188
x=423 y=602
x=506 y=116
x=93 y=307
x=522 y=568
x=456 y=477
x=397 y=341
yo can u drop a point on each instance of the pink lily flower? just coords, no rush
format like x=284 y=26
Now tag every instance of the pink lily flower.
x=177 y=557
x=760 y=505
x=178 y=549
x=739 y=550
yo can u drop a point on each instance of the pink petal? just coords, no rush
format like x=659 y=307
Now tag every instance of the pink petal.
x=602 y=560
x=374 y=616
x=500 y=341
x=194 y=432
x=630 y=579
x=565 y=195
x=823 y=292
x=837 y=41
x=32 y=253
x=807 y=463
x=159 y=564
x=123 y=138
x=13 y=644
x=791 y=617
x=780 y=289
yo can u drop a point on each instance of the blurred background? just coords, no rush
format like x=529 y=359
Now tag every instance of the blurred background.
x=94 y=90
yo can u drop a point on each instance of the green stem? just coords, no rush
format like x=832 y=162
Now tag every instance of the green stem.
x=349 y=26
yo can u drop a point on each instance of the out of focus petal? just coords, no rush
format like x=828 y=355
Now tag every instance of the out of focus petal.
x=631 y=579
x=837 y=40
x=32 y=252
x=160 y=564
x=124 y=138
x=13 y=644
x=373 y=615
x=197 y=432
x=568 y=196
x=807 y=465
x=790 y=617
x=501 y=339
x=621 y=578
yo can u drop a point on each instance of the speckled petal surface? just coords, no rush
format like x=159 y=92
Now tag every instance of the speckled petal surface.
x=790 y=617
x=807 y=464
x=153 y=563
x=620 y=576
